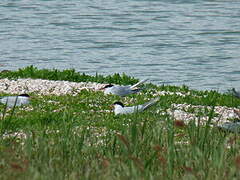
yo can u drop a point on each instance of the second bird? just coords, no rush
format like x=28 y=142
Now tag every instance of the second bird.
x=123 y=90
x=119 y=108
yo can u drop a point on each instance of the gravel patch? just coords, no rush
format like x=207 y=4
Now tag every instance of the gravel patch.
x=46 y=87
x=188 y=112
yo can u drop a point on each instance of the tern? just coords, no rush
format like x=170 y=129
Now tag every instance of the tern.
x=231 y=126
x=122 y=90
x=10 y=101
x=235 y=93
x=119 y=108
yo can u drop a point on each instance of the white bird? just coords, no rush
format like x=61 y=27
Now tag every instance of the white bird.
x=119 y=108
x=10 y=101
x=231 y=126
x=122 y=90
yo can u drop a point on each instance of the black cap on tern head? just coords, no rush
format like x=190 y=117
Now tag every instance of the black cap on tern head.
x=118 y=103
x=108 y=85
x=24 y=95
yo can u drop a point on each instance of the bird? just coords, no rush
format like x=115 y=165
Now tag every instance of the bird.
x=237 y=112
x=11 y=101
x=119 y=108
x=235 y=93
x=123 y=90
x=233 y=127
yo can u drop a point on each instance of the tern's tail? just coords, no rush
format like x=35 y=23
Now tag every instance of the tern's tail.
x=235 y=93
x=137 y=84
x=150 y=103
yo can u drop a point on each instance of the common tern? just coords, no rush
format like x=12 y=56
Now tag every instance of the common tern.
x=119 y=108
x=10 y=101
x=122 y=90
x=235 y=93
x=231 y=126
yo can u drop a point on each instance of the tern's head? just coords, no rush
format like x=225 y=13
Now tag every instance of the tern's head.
x=117 y=103
x=24 y=95
x=108 y=86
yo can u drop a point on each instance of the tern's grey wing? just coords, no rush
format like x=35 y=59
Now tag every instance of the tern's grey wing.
x=123 y=110
x=122 y=90
x=129 y=110
x=138 y=108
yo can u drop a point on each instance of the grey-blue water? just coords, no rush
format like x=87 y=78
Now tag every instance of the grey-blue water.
x=196 y=43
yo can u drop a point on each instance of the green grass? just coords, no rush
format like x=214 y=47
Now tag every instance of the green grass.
x=67 y=75
x=76 y=138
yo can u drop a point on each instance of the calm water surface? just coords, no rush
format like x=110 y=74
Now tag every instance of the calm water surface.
x=175 y=42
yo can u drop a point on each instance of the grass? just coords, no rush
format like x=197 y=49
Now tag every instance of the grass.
x=66 y=137
x=66 y=75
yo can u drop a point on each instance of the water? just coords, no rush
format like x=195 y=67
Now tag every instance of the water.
x=175 y=42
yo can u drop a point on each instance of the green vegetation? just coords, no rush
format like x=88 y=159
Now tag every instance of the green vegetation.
x=66 y=137
x=66 y=75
